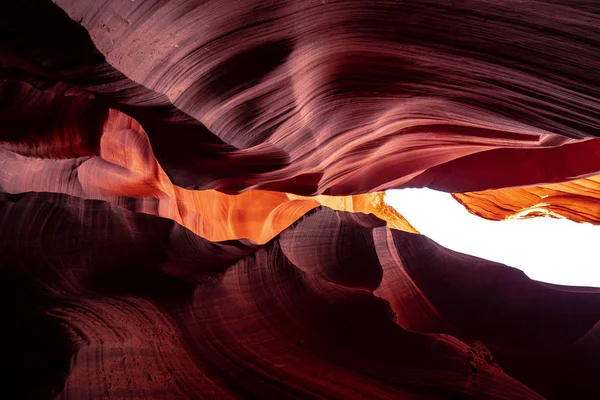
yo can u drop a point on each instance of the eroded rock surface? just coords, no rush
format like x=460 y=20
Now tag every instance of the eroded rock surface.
x=576 y=200
x=337 y=306
x=138 y=137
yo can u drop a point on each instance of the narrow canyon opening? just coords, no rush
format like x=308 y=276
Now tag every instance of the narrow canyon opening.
x=553 y=250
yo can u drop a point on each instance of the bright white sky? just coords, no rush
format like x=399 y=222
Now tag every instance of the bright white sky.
x=546 y=249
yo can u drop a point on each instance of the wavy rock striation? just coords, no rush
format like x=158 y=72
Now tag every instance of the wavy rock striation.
x=283 y=95
x=576 y=200
x=336 y=306
x=138 y=137
x=125 y=172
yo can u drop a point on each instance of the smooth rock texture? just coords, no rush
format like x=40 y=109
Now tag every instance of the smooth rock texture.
x=125 y=172
x=577 y=200
x=139 y=138
x=337 y=306
x=337 y=98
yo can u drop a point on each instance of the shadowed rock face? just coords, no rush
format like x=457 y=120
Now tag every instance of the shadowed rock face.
x=336 y=98
x=144 y=142
x=393 y=314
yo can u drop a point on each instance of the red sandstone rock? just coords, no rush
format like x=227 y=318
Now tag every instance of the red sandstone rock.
x=125 y=172
x=133 y=113
x=308 y=314
x=276 y=111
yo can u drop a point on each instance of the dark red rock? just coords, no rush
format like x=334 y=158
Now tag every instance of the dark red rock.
x=103 y=299
x=229 y=320
x=317 y=118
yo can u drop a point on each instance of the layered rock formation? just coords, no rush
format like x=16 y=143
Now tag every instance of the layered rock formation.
x=576 y=200
x=135 y=306
x=186 y=186
x=284 y=95
x=125 y=172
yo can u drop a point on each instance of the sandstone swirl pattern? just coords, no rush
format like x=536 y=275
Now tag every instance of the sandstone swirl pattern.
x=337 y=97
x=167 y=222
x=576 y=200
x=337 y=306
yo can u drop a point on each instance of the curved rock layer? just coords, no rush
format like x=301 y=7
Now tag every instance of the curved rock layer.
x=369 y=203
x=125 y=172
x=577 y=200
x=337 y=306
x=330 y=97
x=120 y=120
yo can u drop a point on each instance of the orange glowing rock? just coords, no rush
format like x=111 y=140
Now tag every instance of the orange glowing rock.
x=577 y=200
x=257 y=215
x=369 y=203
x=127 y=169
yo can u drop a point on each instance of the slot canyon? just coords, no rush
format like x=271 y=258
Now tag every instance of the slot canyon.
x=195 y=198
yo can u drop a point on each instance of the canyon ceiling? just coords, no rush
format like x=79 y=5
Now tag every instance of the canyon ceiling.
x=192 y=197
